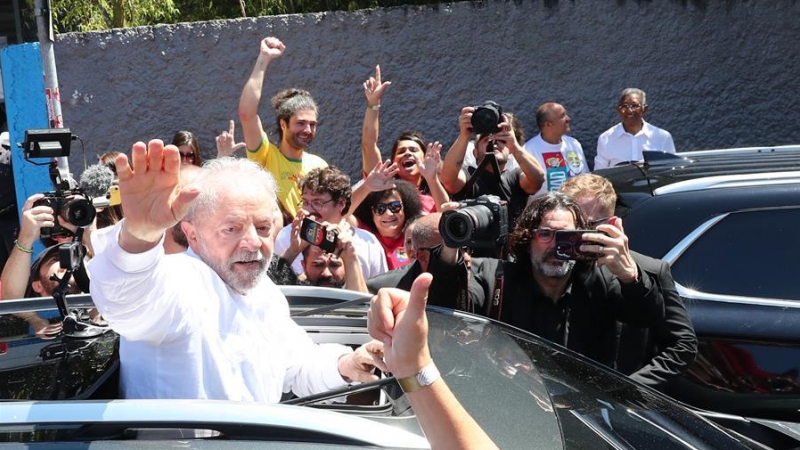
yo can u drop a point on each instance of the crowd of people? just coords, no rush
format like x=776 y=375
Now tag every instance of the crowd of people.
x=182 y=277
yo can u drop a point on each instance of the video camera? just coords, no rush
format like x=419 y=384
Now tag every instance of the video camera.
x=478 y=223
x=69 y=202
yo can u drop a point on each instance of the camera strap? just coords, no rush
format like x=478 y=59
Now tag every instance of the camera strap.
x=466 y=191
x=494 y=305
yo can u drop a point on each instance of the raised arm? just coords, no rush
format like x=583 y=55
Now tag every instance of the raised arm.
x=380 y=178
x=226 y=142
x=430 y=171
x=353 y=276
x=17 y=270
x=398 y=319
x=373 y=90
x=152 y=197
x=453 y=178
x=532 y=176
x=270 y=49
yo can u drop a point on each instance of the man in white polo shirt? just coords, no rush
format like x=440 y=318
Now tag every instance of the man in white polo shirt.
x=626 y=140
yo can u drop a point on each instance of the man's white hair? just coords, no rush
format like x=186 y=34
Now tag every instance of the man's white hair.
x=229 y=175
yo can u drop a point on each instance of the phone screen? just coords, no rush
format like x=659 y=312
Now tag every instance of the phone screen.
x=315 y=233
x=569 y=242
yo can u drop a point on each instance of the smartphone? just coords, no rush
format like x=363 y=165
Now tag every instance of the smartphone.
x=317 y=234
x=569 y=242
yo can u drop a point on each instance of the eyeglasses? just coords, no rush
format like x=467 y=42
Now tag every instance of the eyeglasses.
x=596 y=222
x=631 y=106
x=189 y=156
x=545 y=234
x=317 y=204
x=393 y=206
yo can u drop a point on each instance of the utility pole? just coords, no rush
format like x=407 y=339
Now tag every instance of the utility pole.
x=44 y=26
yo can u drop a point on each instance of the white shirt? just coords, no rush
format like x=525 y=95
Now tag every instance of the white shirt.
x=559 y=161
x=186 y=334
x=368 y=249
x=616 y=145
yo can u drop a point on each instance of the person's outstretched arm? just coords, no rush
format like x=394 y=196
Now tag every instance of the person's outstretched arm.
x=270 y=49
x=453 y=178
x=370 y=129
x=398 y=319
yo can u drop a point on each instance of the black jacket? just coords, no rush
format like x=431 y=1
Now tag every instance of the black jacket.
x=654 y=355
x=583 y=320
x=401 y=278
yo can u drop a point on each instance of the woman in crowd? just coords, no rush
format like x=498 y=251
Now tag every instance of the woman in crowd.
x=384 y=213
x=187 y=144
x=417 y=162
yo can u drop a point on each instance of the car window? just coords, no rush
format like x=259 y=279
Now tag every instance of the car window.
x=753 y=254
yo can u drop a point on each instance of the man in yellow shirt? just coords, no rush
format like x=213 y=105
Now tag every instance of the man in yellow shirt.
x=296 y=114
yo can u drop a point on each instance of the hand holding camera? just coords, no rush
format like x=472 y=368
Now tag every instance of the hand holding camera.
x=609 y=245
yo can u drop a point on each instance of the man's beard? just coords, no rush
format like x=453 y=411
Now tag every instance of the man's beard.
x=239 y=280
x=557 y=269
x=298 y=143
x=328 y=282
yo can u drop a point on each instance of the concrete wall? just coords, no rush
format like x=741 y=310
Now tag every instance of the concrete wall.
x=718 y=73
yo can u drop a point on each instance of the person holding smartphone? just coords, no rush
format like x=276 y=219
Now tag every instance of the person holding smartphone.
x=575 y=303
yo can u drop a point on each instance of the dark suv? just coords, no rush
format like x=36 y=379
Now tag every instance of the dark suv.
x=727 y=222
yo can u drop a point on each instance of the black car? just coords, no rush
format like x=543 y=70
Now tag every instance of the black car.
x=525 y=392
x=727 y=223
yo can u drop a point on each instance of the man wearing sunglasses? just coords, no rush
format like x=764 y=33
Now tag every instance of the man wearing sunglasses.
x=655 y=355
x=626 y=140
x=574 y=303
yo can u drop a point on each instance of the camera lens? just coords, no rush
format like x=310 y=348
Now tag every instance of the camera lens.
x=461 y=226
x=79 y=212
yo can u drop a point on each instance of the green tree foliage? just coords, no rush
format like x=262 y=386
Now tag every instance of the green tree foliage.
x=90 y=15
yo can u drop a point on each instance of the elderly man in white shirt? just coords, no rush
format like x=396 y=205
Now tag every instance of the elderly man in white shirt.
x=207 y=323
x=625 y=141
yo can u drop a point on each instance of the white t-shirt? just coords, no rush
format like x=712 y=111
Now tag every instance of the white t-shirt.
x=559 y=161
x=616 y=145
x=186 y=334
x=368 y=249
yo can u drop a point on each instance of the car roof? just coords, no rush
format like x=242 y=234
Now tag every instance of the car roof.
x=677 y=193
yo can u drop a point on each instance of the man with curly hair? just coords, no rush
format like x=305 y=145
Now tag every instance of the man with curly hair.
x=296 y=116
x=575 y=303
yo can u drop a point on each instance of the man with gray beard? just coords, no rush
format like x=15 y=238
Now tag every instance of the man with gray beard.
x=572 y=303
x=206 y=323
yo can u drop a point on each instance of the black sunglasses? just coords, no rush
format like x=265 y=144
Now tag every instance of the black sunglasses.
x=600 y=221
x=393 y=206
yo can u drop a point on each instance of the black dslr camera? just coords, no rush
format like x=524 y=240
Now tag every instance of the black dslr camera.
x=70 y=206
x=486 y=118
x=478 y=223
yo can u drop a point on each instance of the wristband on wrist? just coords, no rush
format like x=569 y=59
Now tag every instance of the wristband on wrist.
x=23 y=249
x=425 y=377
x=376 y=107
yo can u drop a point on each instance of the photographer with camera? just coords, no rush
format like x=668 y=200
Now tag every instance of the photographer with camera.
x=575 y=303
x=496 y=137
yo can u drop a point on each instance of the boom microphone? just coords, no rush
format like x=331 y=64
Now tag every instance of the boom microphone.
x=96 y=180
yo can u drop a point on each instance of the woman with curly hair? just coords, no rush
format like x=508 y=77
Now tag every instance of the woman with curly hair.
x=384 y=213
